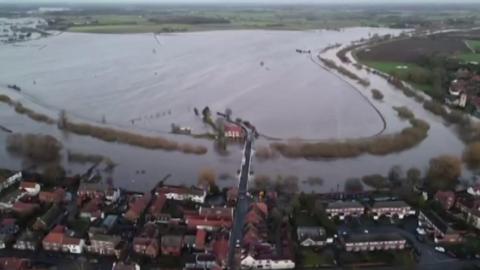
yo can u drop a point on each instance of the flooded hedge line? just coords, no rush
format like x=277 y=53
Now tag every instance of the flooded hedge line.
x=108 y=134
x=332 y=65
x=114 y=135
x=380 y=145
x=20 y=109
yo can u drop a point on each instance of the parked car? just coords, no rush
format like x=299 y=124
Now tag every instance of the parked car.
x=440 y=249
x=421 y=231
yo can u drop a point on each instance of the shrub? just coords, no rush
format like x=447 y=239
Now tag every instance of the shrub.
x=376 y=94
x=435 y=107
x=404 y=112
x=471 y=155
x=376 y=181
x=42 y=148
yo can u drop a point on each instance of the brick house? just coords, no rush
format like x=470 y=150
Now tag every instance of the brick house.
x=59 y=240
x=92 y=210
x=438 y=228
x=156 y=210
x=172 y=245
x=55 y=196
x=147 y=243
x=14 y=263
x=469 y=205
x=137 y=207
x=342 y=209
x=233 y=131
x=104 y=244
x=390 y=209
x=372 y=242
x=24 y=209
x=28 y=240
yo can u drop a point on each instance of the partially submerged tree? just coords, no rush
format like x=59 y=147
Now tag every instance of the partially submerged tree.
x=207 y=177
x=353 y=185
x=444 y=172
x=471 y=155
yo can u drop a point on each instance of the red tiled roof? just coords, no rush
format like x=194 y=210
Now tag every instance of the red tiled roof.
x=24 y=207
x=217 y=212
x=137 y=207
x=157 y=205
x=200 y=239
x=233 y=128
x=13 y=263
x=194 y=221
x=220 y=249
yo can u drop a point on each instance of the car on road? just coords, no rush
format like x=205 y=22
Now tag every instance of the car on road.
x=237 y=244
x=440 y=249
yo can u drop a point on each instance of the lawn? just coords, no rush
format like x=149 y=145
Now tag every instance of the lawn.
x=402 y=70
x=310 y=258
x=474 y=44
x=470 y=57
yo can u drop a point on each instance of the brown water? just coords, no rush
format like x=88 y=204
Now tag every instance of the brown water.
x=156 y=81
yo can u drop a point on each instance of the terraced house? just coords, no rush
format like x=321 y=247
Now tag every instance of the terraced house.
x=342 y=209
x=372 y=242
x=399 y=209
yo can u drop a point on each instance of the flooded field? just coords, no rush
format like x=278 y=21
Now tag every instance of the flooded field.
x=145 y=83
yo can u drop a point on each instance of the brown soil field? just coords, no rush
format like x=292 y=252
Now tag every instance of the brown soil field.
x=414 y=49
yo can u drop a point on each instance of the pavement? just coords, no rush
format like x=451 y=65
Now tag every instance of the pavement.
x=241 y=209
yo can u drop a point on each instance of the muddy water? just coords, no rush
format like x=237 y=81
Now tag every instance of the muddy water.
x=156 y=81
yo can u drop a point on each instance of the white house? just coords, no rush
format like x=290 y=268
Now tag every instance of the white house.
x=250 y=262
x=311 y=236
x=112 y=196
x=73 y=245
x=31 y=188
x=182 y=193
x=10 y=181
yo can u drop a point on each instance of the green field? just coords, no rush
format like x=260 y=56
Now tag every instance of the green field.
x=403 y=71
x=470 y=57
x=311 y=258
x=128 y=28
x=474 y=44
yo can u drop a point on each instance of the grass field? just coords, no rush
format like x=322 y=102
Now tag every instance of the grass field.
x=470 y=57
x=474 y=44
x=129 y=28
x=402 y=70
x=310 y=258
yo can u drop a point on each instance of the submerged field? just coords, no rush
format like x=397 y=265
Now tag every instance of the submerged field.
x=150 y=81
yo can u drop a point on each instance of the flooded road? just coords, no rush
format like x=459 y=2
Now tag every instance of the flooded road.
x=146 y=83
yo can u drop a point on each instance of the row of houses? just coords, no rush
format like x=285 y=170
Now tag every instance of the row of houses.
x=342 y=209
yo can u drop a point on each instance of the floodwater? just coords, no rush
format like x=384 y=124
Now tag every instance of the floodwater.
x=145 y=83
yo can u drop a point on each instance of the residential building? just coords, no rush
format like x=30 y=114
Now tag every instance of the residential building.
x=125 y=266
x=399 y=209
x=156 y=211
x=469 y=205
x=373 y=241
x=147 y=243
x=137 y=207
x=31 y=188
x=8 y=229
x=220 y=248
x=55 y=196
x=182 y=193
x=112 y=195
x=5 y=183
x=92 y=190
x=200 y=239
x=92 y=209
x=172 y=245
x=104 y=244
x=59 y=240
x=343 y=209
x=28 y=240
x=24 y=209
x=233 y=131
x=445 y=198
x=441 y=231
x=309 y=236
x=198 y=222
x=14 y=263
x=224 y=213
